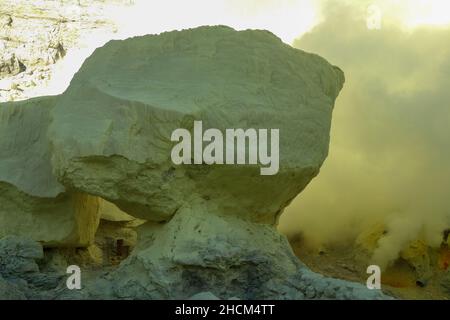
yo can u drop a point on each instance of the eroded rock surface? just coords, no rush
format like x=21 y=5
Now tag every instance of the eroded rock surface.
x=35 y=35
x=33 y=202
x=20 y=275
x=111 y=129
x=210 y=228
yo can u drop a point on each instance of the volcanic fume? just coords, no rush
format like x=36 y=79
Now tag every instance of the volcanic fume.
x=209 y=228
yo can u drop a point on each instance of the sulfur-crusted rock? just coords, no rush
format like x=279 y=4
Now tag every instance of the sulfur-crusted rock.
x=111 y=136
x=111 y=129
x=33 y=202
x=200 y=250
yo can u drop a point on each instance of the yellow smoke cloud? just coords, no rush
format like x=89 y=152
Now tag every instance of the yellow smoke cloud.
x=390 y=142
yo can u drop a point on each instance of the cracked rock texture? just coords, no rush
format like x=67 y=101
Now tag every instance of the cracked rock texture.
x=33 y=202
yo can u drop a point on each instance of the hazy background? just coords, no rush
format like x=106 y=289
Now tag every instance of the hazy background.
x=390 y=140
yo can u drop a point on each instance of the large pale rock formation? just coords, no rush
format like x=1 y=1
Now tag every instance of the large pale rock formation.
x=111 y=130
x=112 y=127
x=33 y=202
x=34 y=36
x=211 y=228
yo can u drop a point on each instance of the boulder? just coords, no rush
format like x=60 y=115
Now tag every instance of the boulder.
x=210 y=227
x=111 y=130
x=200 y=250
x=34 y=203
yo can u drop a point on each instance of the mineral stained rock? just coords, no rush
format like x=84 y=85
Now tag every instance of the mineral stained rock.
x=111 y=129
x=20 y=275
x=33 y=202
x=210 y=228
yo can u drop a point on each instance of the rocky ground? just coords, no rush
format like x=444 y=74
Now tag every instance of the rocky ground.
x=29 y=272
x=404 y=279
